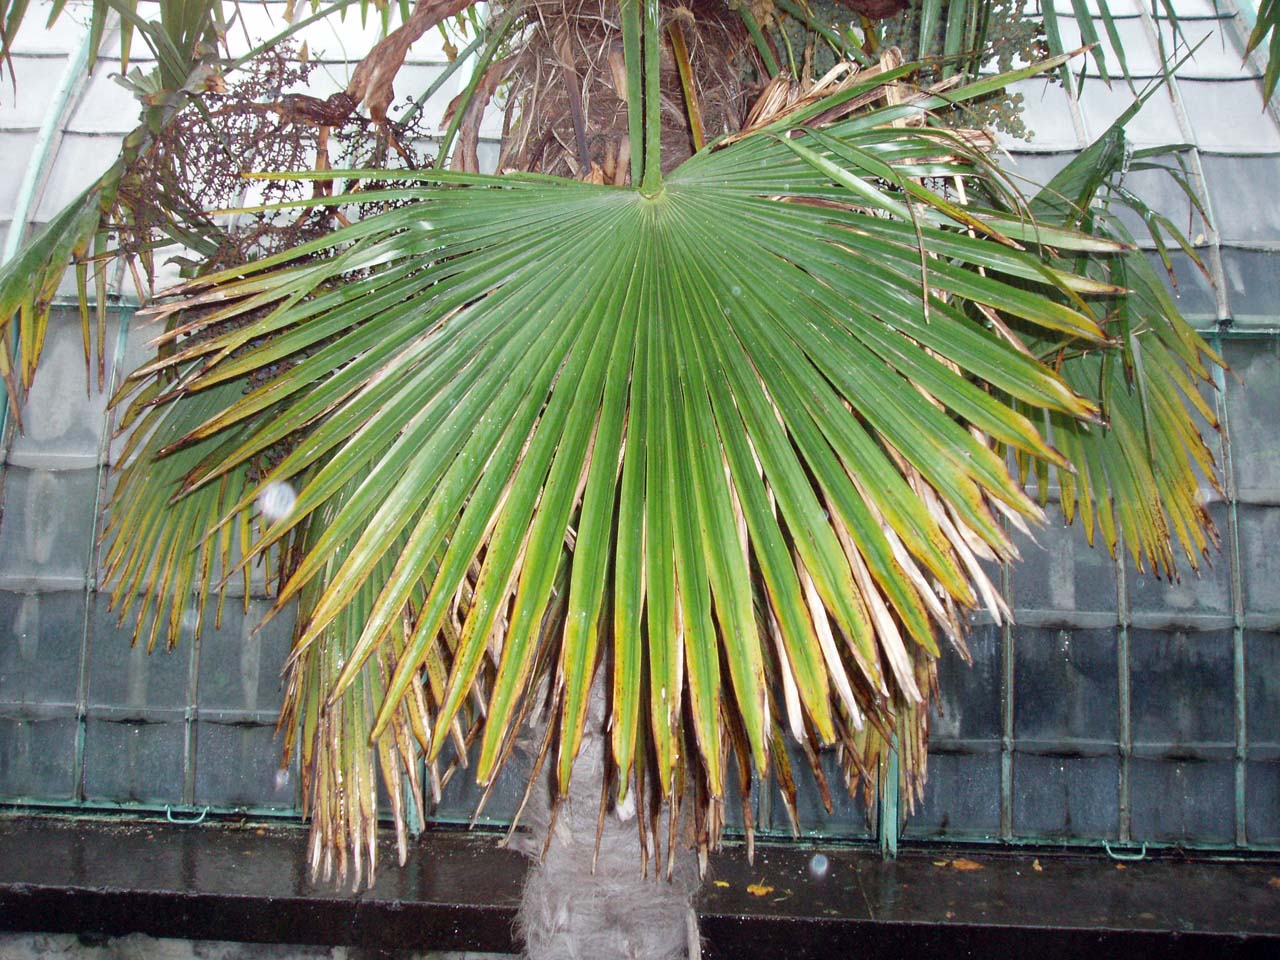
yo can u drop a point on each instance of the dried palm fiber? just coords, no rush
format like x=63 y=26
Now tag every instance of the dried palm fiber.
x=587 y=897
x=566 y=110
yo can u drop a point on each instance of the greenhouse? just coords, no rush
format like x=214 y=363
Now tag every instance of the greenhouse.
x=1103 y=729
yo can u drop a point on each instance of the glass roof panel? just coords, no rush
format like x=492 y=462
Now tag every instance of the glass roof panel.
x=1227 y=116
x=1190 y=288
x=1046 y=113
x=1139 y=52
x=1031 y=171
x=1186 y=9
x=20 y=108
x=107 y=106
x=1155 y=125
x=16 y=150
x=1216 y=56
x=1164 y=196
x=81 y=159
x=1245 y=196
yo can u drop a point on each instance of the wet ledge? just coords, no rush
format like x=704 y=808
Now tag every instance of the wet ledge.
x=459 y=892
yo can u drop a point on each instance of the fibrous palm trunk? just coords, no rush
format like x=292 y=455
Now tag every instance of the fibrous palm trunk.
x=586 y=896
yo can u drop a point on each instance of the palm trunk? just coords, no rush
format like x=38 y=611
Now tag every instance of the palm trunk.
x=586 y=897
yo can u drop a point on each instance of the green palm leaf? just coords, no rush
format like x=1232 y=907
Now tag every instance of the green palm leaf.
x=736 y=441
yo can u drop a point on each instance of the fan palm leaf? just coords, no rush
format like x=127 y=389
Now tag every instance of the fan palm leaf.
x=737 y=439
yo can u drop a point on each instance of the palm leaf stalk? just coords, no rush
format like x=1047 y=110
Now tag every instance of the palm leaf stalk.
x=734 y=442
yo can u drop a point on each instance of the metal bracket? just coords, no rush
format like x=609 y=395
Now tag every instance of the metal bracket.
x=168 y=815
x=1129 y=856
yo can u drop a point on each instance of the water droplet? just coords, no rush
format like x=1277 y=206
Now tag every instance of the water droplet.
x=737 y=290
x=276 y=500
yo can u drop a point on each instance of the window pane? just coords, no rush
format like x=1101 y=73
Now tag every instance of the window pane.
x=1057 y=796
x=1260 y=564
x=1065 y=685
x=240 y=665
x=848 y=816
x=1194 y=595
x=123 y=676
x=36 y=757
x=1228 y=115
x=969 y=703
x=1163 y=195
x=62 y=419
x=133 y=762
x=48 y=523
x=1182 y=801
x=461 y=794
x=1262 y=773
x=1262 y=666
x=1246 y=204
x=1060 y=572
x=40 y=638
x=1262 y=794
x=1191 y=290
x=1251 y=403
x=1183 y=691
x=1253 y=285
x=238 y=765
x=961 y=797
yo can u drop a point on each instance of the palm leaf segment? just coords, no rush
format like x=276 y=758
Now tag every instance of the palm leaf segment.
x=735 y=446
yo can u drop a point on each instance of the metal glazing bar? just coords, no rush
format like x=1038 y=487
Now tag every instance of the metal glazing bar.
x=1237 y=606
x=888 y=812
x=1124 y=695
x=189 y=758
x=1006 y=707
x=763 y=788
x=64 y=101
x=91 y=561
x=1187 y=134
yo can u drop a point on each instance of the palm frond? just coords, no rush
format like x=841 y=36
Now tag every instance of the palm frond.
x=1138 y=477
x=736 y=443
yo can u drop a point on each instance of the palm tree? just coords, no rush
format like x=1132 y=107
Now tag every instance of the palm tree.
x=715 y=399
